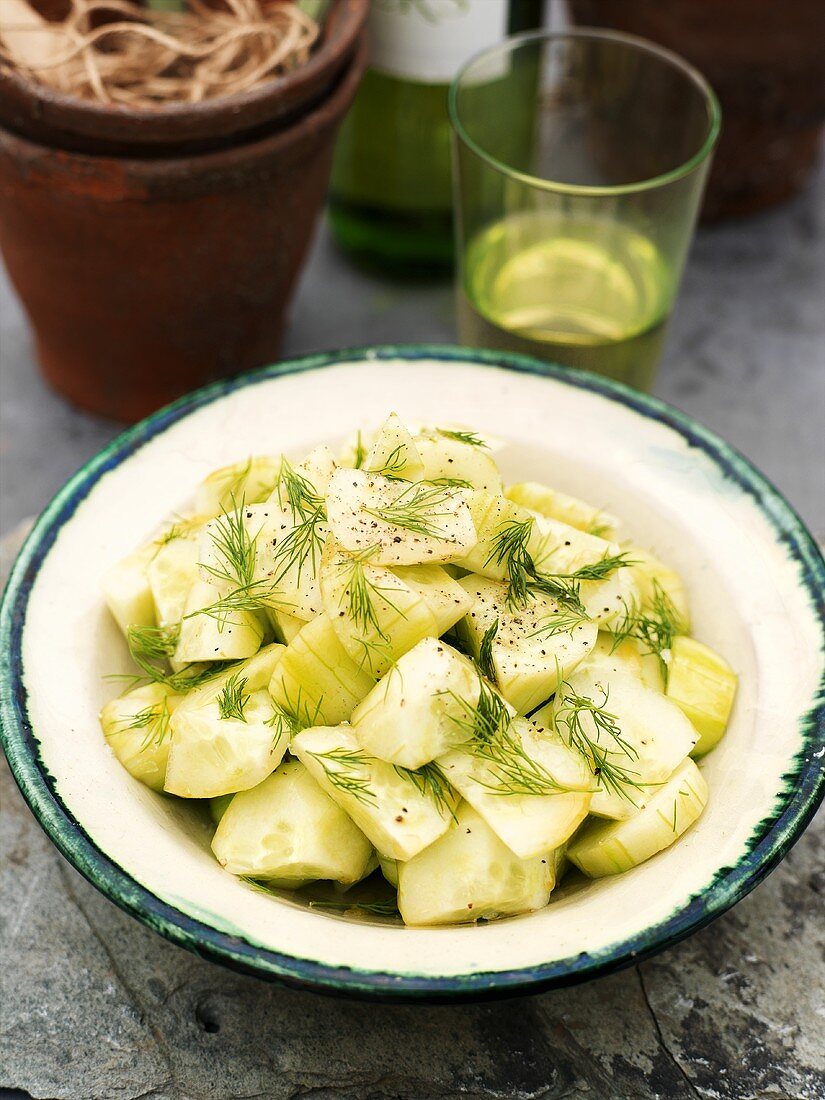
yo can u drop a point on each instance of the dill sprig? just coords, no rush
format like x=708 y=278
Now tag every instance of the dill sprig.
x=563 y=621
x=595 y=571
x=345 y=770
x=236 y=555
x=376 y=908
x=472 y=439
x=485 y=652
x=306 y=539
x=451 y=482
x=418 y=509
x=296 y=491
x=392 y=466
x=232 y=700
x=154 y=719
x=508 y=547
x=150 y=647
x=654 y=629
x=614 y=777
x=430 y=781
x=282 y=721
x=300 y=713
x=493 y=740
x=360 y=594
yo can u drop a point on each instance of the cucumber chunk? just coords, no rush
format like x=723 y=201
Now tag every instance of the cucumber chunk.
x=288 y=548
x=644 y=738
x=218 y=807
x=394 y=453
x=172 y=572
x=231 y=636
x=211 y=755
x=316 y=680
x=450 y=460
x=469 y=874
x=556 y=505
x=413 y=714
x=287 y=831
x=446 y=600
x=533 y=648
x=528 y=823
x=608 y=848
x=398 y=522
x=137 y=728
x=249 y=480
x=703 y=685
x=127 y=590
x=284 y=626
x=375 y=613
x=653 y=579
x=389 y=869
x=400 y=816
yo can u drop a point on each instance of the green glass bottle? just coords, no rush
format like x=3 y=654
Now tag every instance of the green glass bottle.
x=390 y=195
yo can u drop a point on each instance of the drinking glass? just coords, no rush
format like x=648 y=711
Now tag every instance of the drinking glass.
x=580 y=158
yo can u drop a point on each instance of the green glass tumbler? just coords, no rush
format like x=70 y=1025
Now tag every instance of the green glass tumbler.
x=579 y=158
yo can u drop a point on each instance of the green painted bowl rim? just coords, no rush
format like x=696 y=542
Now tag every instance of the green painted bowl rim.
x=770 y=842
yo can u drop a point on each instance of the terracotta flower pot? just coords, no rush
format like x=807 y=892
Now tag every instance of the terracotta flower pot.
x=145 y=276
x=764 y=60
x=46 y=115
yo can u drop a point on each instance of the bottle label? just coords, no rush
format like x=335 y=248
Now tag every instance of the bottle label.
x=429 y=40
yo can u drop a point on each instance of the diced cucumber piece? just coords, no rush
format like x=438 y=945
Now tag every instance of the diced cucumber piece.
x=532 y=649
x=653 y=580
x=555 y=505
x=288 y=548
x=469 y=874
x=499 y=788
x=608 y=848
x=172 y=572
x=451 y=460
x=218 y=807
x=256 y=670
x=389 y=869
x=400 y=816
x=285 y=626
x=224 y=636
x=633 y=735
x=375 y=613
x=490 y=513
x=287 y=831
x=606 y=602
x=316 y=680
x=137 y=729
x=393 y=453
x=398 y=522
x=414 y=713
x=703 y=686
x=613 y=656
x=127 y=590
x=210 y=755
x=249 y=480
x=446 y=599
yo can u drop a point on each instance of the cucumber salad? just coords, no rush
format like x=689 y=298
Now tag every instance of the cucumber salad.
x=391 y=674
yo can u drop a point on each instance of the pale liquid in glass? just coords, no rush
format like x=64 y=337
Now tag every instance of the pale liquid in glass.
x=586 y=293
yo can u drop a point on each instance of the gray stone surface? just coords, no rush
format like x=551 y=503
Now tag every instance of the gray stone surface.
x=93 y=1006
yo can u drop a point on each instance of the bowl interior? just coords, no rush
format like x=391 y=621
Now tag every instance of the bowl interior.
x=748 y=599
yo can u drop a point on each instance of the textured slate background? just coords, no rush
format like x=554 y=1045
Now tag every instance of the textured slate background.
x=92 y=1006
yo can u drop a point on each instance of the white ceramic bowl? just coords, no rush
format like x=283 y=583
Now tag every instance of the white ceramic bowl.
x=756 y=582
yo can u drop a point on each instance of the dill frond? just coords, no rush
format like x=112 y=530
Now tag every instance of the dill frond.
x=345 y=770
x=360 y=450
x=154 y=719
x=233 y=698
x=296 y=492
x=418 y=509
x=563 y=621
x=430 y=781
x=614 y=777
x=508 y=547
x=472 y=439
x=485 y=652
x=655 y=629
x=376 y=908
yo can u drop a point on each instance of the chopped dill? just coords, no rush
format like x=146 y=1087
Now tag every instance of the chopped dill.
x=508 y=547
x=429 y=780
x=306 y=539
x=296 y=492
x=493 y=740
x=563 y=621
x=472 y=439
x=418 y=508
x=613 y=777
x=392 y=466
x=150 y=647
x=654 y=629
x=451 y=482
x=300 y=713
x=154 y=719
x=485 y=652
x=232 y=700
x=345 y=770
x=360 y=451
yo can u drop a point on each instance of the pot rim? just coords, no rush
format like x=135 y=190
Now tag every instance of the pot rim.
x=44 y=108
x=224 y=161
